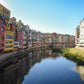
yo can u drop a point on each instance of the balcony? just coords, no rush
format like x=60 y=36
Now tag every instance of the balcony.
x=16 y=44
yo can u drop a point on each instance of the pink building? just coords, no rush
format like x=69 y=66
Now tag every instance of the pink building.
x=2 y=33
x=19 y=38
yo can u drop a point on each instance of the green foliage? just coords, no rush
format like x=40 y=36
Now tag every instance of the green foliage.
x=73 y=56
x=71 y=53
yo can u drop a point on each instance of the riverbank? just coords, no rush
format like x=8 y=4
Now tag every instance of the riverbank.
x=73 y=53
x=5 y=58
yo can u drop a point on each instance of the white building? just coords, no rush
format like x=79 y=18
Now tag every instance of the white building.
x=81 y=36
x=77 y=33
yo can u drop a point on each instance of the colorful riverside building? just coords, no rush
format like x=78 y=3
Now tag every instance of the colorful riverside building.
x=19 y=34
x=13 y=28
x=29 y=36
x=2 y=33
x=19 y=38
x=24 y=29
x=9 y=40
x=27 y=33
x=34 y=38
x=5 y=13
x=48 y=38
x=39 y=38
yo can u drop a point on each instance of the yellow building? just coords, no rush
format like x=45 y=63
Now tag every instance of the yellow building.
x=49 y=36
x=9 y=40
x=5 y=13
x=9 y=74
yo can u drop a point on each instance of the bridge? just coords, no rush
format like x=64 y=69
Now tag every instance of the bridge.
x=60 y=45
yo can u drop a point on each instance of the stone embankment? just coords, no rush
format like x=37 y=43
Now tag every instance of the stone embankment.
x=7 y=57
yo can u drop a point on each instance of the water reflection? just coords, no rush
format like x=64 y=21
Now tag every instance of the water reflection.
x=79 y=66
x=14 y=72
x=61 y=71
x=80 y=69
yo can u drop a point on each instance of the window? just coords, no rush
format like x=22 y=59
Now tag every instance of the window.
x=9 y=36
x=25 y=44
x=7 y=12
x=2 y=29
x=20 y=44
x=20 y=33
x=3 y=9
x=14 y=38
x=6 y=42
x=7 y=24
x=20 y=38
x=14 y=22
x=7 y=17
x=2 y=22
x=3 y=15
x=13 y=26
x=14 y=32
x=2 y=45
x=10 y=46
x=2 y=37
x=10 y=42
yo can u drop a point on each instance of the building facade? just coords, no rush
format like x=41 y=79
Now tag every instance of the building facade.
x=19 y=38
x=77 y=33
x=9 y=40
x=13 y=28
x=29 y=36
x=5 y=13
x=39 y=38
x=82 y=32
x=79 y=37
x=19 y=33
x=24 y=37
x=15 y=35
x=34 y=38
x=2 y=33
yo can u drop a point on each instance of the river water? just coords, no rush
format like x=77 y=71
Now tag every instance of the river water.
x=42 y=67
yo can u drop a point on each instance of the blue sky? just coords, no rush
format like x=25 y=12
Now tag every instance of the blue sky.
x=61 y=16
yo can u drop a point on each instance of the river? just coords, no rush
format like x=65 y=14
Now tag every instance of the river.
x=42 y=67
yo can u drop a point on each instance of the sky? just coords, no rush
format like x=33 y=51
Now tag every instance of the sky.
x=60 y=16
